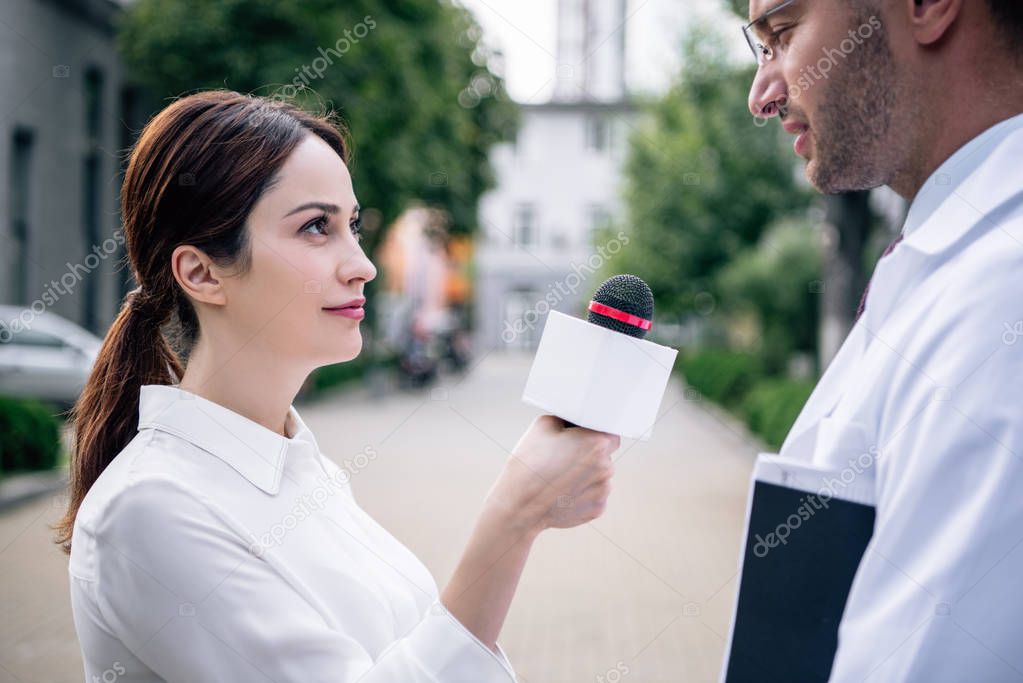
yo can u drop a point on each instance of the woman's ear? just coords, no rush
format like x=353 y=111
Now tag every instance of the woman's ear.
x=929 y=20
x=197 y=275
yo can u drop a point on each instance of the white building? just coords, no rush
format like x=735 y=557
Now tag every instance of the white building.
x=557 y=183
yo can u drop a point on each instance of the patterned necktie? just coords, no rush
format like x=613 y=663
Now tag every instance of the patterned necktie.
x=863 y=299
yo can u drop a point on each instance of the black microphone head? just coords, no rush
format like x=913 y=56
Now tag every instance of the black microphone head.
x=627 y=294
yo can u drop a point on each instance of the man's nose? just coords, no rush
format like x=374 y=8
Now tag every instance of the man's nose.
x=768 y=93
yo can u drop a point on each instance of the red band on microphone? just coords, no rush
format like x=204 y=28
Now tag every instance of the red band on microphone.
x=624 y=317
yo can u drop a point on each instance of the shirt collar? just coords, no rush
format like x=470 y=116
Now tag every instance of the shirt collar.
x=255 y=452
x=969 y=184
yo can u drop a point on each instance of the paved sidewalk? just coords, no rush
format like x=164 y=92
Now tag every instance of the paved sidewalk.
x=19 y=488
x=646 y=589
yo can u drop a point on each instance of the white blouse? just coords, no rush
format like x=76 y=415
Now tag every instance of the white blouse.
x=213 y=549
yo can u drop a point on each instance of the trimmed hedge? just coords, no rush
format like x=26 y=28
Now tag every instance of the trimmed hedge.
x=722 y=376
x=338 y=374
x=342 y=374
x=772 y=406
x=735 y=380
x=29 y=436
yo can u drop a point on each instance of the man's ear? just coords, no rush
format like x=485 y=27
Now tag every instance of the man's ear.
x=929 y=20
x=197 y=275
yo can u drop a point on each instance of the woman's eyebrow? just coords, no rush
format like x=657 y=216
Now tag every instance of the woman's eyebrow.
x=322 y=206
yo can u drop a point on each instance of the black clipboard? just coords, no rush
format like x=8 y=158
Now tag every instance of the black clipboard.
x=806 y=532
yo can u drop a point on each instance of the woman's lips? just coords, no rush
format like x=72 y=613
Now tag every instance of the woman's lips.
x=353 y=312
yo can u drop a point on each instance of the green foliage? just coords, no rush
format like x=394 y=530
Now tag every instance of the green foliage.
x=772 y=407
x=780 y=282
x=740 y=7
x=702 y=179
x=409 y=78
x=720 y=375
x=29 y=436
x=337 y=375
x=707 y=193
x=736 y=380
x=344 y=374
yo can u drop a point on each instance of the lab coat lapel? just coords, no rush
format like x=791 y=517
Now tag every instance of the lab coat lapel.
x=800 y=440
x=971 y=209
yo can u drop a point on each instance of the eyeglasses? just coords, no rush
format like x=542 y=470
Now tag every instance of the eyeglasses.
x=762 y=53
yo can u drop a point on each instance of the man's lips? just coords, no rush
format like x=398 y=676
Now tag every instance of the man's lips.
x=802 y=133
x=794 y=127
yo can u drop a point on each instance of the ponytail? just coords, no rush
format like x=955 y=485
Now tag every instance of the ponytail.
x=105 y=417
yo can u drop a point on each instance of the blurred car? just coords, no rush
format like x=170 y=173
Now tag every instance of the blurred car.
x=50 y=358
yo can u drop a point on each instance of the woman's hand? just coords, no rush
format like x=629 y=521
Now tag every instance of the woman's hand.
x=556 y=476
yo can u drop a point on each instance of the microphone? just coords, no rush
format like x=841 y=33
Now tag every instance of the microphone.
x=601 y=373
x=624 y=303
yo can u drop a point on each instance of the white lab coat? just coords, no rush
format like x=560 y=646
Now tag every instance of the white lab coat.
x=213 y=549
x=925 y=400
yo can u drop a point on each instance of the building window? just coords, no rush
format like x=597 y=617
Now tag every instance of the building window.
x=599 y=220
x=522 y=322
x=598 y=133
x=20 y=193
x=131 y=122
x=524 y=233
x=93 y=103
x=92 y=168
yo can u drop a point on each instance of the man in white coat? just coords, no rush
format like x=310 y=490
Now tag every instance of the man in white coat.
x=925 y=397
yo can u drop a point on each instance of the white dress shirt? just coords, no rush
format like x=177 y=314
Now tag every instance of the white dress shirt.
x=213 y=549
x=924 y=401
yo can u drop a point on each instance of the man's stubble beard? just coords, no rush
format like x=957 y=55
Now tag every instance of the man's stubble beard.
x=853 y=149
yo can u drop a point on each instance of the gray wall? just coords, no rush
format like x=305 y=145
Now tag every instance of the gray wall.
x=62 y=86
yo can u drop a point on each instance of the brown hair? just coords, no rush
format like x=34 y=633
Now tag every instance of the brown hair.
x=193 y=177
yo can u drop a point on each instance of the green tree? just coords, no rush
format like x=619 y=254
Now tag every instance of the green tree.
x=740 y=7
x=844 y=272
x=702 y=179
x=409 y=77
x=779 y=282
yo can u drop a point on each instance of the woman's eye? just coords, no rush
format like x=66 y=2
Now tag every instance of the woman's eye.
x=356 y=227
x=319 y=223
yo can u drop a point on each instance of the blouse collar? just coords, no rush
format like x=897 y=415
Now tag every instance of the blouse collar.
x=255 y=452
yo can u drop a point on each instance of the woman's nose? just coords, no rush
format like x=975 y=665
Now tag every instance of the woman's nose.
x=357 y=267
